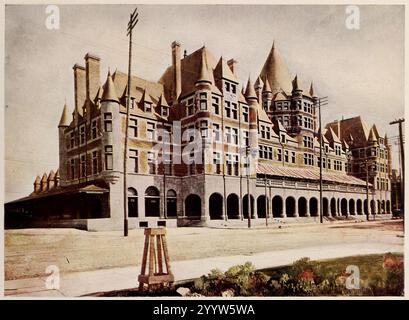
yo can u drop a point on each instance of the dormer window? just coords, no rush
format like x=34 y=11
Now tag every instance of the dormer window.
x=282 y=138
x=165 y=111
x=148 y=107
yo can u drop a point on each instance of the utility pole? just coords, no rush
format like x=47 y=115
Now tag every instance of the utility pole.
x=367 y=190
x=265 y=197
x=402 y=160
x=321 y=102
x=131 y=24
x=248 y=187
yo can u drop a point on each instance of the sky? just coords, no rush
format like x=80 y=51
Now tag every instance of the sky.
x=361 y=71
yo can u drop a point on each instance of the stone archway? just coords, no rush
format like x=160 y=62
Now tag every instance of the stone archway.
x=277 y=204
x=314 y=207
x=302 y=207
x=193 y=206
x=216 y=206
x=290 y=207
x=233 y=206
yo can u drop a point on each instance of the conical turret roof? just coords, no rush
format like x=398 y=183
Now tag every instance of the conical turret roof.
x=204 y=75
x=65 y=117
x=277 y=72
x=295 y=84
x=109 y=90
x=44 y=178
x=250 y=92
x=259 y=83
x=266 y=87
x=312 y=91
x=37 y=180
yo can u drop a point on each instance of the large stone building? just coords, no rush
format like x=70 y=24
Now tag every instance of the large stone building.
x=198 y=142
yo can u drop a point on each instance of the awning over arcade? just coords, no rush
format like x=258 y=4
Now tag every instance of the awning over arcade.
x=308 y=174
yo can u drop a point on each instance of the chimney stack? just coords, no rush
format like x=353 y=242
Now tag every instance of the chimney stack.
x=177 y=72
x=92 y=75
x=79 y=86
x=232 y=65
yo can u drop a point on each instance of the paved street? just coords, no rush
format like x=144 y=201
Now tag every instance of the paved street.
x=87 y=260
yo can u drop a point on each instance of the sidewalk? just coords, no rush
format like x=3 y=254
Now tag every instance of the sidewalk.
x=85 y=283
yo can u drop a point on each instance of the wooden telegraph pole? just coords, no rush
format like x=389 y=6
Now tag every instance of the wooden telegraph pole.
x=131 y=24
x=402 y=160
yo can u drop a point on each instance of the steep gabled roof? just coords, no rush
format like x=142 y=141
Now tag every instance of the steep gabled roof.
x=354 y=129
x=222 y=70
x=190 y=72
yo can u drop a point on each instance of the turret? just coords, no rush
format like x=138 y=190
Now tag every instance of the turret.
x=297 y=91
x=37 y=184
x=267 y=95
x=44 y=183
x=51 y=180
x=251 y=98
x=62 y=142
x=258 y=87
x=112 y=130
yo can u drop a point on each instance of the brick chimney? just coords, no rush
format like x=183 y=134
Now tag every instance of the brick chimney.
x=232 y=65
x=79 y=86
x=177 y=72
x=92 y=75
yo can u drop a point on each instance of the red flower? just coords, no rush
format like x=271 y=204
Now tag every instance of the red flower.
x=306 y=275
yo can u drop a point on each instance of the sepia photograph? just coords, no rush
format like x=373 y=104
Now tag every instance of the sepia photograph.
x=204 y=150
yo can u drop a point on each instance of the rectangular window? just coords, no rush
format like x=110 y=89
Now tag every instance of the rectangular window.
x=216 y=132
x=82 y=135
x=234 y=110
x=94 y=162
x=72 y=169
x=227 y=86
x=94 y=129
x=167 y=162
x=286 y=157
x=279 y=155
x=245 y=114
x=215 y=105
x=72 y=139
x=83 y=167
x=233 y=88
x=308 y=159
x=108 y=122
x=217 y=162
x=148 y=107
x=151 y=162
x=245 y=141
x=229 y=135
x=308 y=142
x=150 y=131
x=293 y=157
x=227 y=109
x=235 y=136
x=203 y=129
x=133 y=127
x=282 y=138
x=190 y=109
x=203 y=101
x=109 y=158
x=133 y=156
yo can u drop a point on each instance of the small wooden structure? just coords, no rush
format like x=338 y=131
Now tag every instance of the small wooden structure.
x=158 y=260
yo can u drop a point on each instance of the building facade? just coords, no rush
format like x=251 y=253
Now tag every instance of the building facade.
x=204 y=150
